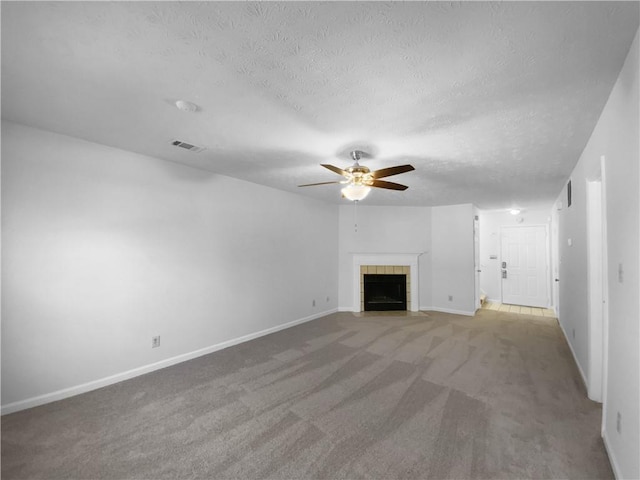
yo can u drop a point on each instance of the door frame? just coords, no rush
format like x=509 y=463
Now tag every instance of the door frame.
x=605 y=292
x=476 y=260
x=595 y=289
x=547 y=259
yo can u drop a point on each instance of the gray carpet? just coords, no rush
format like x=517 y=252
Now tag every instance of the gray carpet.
x=347 y=397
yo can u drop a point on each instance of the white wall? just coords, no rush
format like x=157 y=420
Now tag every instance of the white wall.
x=452 y=259
x=383 y=230
x=490 y=223
x=554 y=235
x=102 y=249
x=616 y=138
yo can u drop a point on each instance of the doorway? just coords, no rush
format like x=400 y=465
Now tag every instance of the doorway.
x=524 y=262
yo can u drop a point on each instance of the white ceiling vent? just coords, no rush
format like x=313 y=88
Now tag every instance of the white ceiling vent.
x=187 y=146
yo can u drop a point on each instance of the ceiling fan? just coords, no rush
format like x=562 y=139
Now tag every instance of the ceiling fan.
x=360 y=179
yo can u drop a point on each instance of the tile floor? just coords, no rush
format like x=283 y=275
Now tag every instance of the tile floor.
x=503 y=307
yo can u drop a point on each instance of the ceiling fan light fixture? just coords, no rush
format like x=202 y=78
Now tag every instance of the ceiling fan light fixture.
x=359 y=179
x=355 y=192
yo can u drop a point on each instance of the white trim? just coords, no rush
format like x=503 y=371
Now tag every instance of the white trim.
x=449 y=310
x=595 y=288
x=605 y=294
x=119 y=377
x=612 y=458
x=493 y=300
x=409 y=259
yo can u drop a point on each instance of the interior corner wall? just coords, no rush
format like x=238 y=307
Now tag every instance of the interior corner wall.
x=378 y=229
x=103 y=249
x=443 y=236
x=490 y=223
x=616 y=138
x=452 y=259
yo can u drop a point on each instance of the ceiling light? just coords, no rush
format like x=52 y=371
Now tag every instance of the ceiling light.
x=355 y=192
x=514 y=211
x=186 y=106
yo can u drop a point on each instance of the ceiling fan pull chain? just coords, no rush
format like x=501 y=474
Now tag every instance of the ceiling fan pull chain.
x=355 y=216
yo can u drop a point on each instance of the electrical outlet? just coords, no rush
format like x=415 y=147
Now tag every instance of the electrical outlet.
x=619 y=423
x=451 y=298
x=155 y=341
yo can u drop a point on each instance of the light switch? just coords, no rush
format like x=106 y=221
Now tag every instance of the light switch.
x=569 y=242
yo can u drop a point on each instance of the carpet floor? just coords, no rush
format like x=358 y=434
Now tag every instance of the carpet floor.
x=428 y=395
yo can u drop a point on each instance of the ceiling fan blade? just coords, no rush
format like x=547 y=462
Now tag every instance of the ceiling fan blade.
x=314 y=184
x=387 y=172
x=337 y=170
x=389 y=185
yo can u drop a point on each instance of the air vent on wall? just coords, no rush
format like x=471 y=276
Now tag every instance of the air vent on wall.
x=187 y=146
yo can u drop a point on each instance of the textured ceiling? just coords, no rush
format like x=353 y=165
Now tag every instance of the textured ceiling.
x=492 y=102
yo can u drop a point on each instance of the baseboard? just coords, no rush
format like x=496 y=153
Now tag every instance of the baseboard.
x=612 y=457
x=448 y=310
x=119 y=377
x=575 y=358
x=494 y=300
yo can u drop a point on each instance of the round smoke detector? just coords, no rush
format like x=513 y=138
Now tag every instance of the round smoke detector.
x=186 y=106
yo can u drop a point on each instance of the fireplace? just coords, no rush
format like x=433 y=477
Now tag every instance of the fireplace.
x=388 y=287
x=386 y=264
x=385 y=292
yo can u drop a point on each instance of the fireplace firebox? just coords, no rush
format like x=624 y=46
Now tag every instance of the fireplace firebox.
x=383 y=292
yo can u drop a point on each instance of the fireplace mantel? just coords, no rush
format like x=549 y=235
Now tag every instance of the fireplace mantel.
x=408 y=259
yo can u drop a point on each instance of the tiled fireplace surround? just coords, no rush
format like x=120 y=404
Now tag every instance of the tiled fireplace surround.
x=382 y=263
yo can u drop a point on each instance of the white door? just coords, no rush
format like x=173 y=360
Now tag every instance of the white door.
x=524 y=266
